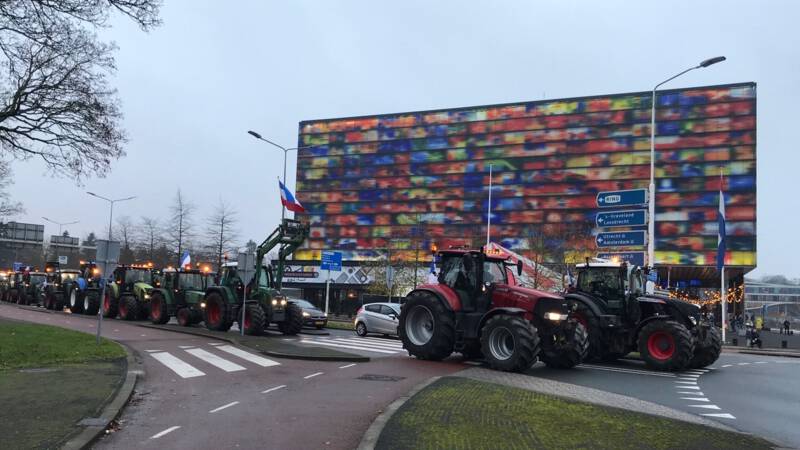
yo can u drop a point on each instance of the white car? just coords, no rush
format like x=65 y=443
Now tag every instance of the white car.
x=381 y=318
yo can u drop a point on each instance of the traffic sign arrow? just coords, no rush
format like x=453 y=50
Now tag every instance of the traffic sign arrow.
x=620 y=239
x=622 y=198
x=627 y=218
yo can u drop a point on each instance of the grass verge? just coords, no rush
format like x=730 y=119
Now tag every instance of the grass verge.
x=461 y=413
x=340 y=325
x=51 y=379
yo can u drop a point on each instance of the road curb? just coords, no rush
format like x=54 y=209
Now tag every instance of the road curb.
x=113 y=409
x=373 y=433
x=756 y=352
x=233 y=340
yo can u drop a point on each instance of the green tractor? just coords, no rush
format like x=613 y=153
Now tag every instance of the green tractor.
x=59 y=282
x=181 y=295
x=29 y=289
x=264 y=302
x=129 y=294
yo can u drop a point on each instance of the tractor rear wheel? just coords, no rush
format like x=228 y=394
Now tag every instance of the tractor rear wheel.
x=217 y=314
x=91 y=303
x=705 y=353
x=509 y=343
x=570 y=353
x=293 y=323
x=75 y=301
x=159 y=310
x=128 y=308
x=110 y=305
x=427 y=329
x=254 y=320
x=665 y=345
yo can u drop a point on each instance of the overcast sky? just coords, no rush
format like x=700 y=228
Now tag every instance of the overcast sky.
x=193 y=87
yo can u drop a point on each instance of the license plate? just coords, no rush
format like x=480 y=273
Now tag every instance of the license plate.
x=319 y=323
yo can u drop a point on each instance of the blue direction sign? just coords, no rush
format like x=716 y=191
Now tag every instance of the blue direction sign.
x=628 y=218
x=629 y=197
x=634 y=258
x=620 y=239
x=331 y=260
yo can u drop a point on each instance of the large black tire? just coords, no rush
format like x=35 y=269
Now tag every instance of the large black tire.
x=91 y=303
x=427 y=328
x=293 y=322
x=217 y=314
x=49 y=301
x=75 y=300
x=129 y=308
x=254 y=320
x=22 y=298
x=110 y=305
x=665 y=345
x=707 y=352
x=159 y=309
x=591 y=324
x=509 y=343
x=570 y=353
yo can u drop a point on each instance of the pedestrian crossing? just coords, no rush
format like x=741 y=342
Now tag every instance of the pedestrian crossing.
x=367 y=344
x=217 y=356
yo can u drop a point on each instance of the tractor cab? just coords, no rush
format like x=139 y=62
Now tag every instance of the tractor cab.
x=616 y=284
x=129 y=275
x=472 y=275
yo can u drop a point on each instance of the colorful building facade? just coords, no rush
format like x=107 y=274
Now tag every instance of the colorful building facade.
x=408 y=180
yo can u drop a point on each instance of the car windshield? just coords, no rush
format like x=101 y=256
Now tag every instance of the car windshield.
x=602 y=281
x=137 y=276
x=196 y=281
x=395 y=307
x=303 y=303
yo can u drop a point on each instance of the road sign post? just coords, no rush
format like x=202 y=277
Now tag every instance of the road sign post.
x=110 y=252
x=611 y=199
x=330 y=261
x=246 y=269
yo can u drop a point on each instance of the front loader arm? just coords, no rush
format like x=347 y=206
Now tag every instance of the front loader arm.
x=290 y=235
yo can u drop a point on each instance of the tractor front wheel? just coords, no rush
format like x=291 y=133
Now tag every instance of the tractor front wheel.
x=570 y=353
x=665 y=345
x=427 y=329
x=159 y=310
x=293 y=322
x=110 y=305
x=128 y=308
x=254 y=320
x=705 y=353
x=217 y=316
x=91 y=303
x=75 y=301
x=509 y=343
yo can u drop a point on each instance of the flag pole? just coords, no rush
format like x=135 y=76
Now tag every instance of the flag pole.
x=722 y=290
x=489 y=210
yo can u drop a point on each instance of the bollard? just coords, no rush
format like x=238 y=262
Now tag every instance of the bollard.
x=784 y=344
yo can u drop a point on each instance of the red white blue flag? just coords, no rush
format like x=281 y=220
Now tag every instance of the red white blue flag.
x=721 y=226
x=288 y=200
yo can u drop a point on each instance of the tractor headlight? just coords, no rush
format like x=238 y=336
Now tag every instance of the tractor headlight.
x=283 y=302
x=693 y=320
x=274 y=302
x=554 y=316
x=202 y=304
x=305 y=314
x=146 y=296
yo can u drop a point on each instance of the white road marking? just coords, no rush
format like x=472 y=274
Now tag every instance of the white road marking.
x=695 y=399
x=223 y=407
x=153 y=351
x=727 y=365
x=346 y=366
x=720 y=415
x=215 y=343
x=215 y=360
x=255 y=359
x=380 y=341
x=185 y=346
x=353 y=347
x=313 y=375
x=686 y=378
x=168 y=430
x=743 y=364
x=760 y=362
x=691 y=393
x=370 y=344
x=273 y=389
x=144 y=335
x=704 y=406
x=686 y=382
x=176 y=365
x=687 y=387
x=630 y=371
x=696 y=371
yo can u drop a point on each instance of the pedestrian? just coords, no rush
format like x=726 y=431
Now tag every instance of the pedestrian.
x=786 y=325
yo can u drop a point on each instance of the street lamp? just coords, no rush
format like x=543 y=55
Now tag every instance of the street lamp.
x=651 y=225
x=285 y=153
x=60 y=224
x=105 y=259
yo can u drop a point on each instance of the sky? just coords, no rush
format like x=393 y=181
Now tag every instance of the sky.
x=191 y=89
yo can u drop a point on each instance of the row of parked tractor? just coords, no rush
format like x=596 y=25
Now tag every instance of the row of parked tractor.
x=191 y=295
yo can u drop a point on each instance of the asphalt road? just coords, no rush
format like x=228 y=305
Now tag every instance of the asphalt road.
x=202 y=393
x=753 y=394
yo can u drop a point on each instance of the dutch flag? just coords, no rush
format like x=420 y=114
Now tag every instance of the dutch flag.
x=432 y=279
x=186 y=259
x=288 y=200
x=721 y=226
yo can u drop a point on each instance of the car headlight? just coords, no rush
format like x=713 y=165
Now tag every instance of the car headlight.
x=305 y=314
x=324 y=314
x=554 y=316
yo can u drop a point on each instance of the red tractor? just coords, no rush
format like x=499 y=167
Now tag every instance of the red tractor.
x=477 y=309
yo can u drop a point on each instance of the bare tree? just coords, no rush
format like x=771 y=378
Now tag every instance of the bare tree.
x=55 y=100
x=7 y=207
x=150 y=236
x=180 y=223
x=221 y=231
x=125 y=231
